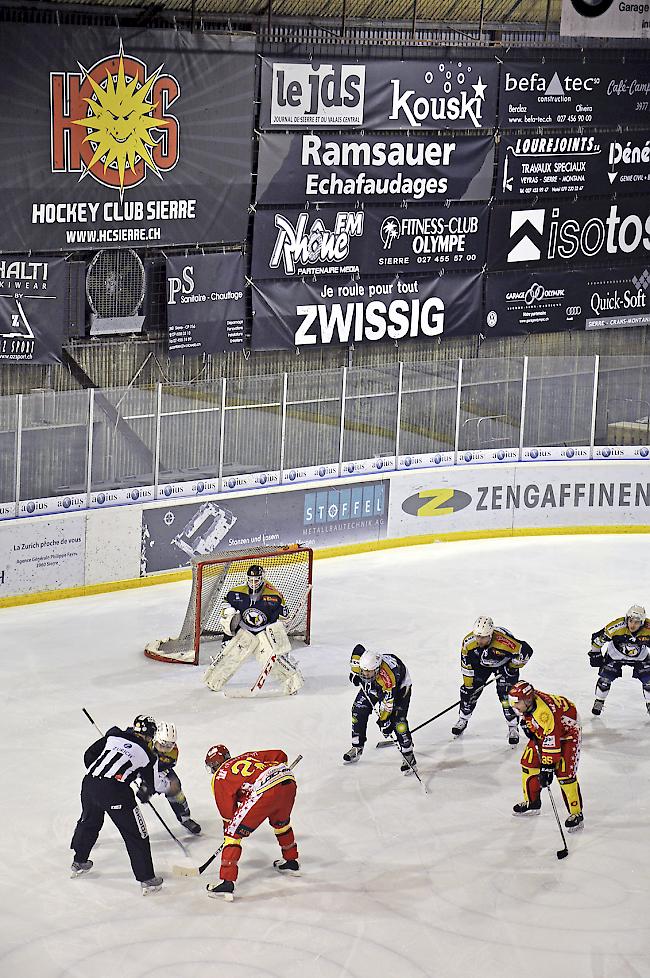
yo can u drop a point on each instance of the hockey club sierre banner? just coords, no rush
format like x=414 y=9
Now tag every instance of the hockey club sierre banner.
x=342 y=94
x=551 y=301
x=305 y=313
x=563 y=93
x=558 y=232
x=116 y=138
x=32 y=309
x=328 y=241
x=563 y=164
x=293 y=169
x=205 y=303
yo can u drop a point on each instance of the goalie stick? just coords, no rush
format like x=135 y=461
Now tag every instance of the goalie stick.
x=154 y=810
x=197 y=870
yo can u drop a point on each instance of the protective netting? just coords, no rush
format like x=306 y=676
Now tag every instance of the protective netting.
x=289 y=569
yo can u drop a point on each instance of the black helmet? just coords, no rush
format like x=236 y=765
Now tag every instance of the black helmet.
x=255 y=577
x=144 y=726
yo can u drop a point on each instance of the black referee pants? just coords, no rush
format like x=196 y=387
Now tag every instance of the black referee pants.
x=106 y=796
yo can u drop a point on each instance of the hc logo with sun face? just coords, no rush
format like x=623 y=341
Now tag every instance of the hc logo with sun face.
x=111 y=121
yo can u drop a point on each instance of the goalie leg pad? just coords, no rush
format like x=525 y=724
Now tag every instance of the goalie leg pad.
x=274 y=640
x=231 y=657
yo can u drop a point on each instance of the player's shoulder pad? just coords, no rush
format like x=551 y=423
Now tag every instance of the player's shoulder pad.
x=239 y=589
x=616 y=627
x=504 y=640
x=469 y=643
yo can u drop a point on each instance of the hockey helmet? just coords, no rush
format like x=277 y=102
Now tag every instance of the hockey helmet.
x=255 y=577
x=635 y=613
x=165 y=737
x=483 y=627
x=522 y=697
x=216 y=756
x=144 y=726
x=369 y=664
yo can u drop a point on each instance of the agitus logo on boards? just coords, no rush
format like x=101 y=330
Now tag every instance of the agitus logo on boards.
x=542 y=235
x=303 y=94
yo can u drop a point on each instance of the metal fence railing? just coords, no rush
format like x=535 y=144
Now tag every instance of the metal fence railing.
x=283 y=428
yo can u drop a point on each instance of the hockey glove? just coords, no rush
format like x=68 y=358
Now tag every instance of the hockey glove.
x=595 y=659
x=142 y=793
x=546 y=776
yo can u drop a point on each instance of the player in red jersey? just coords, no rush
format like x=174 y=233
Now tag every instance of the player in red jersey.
x=554 y=731
x=249 y=789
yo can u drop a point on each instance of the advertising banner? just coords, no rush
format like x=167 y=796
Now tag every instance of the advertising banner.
x=42 y=555
x=304 y=313
x=557 y=165
x=32 y=309
x=605 y=18
x=570 y=234
x=324 y=516
x=123 y=137
x=342 y=94
x=292 y=243
x=292 y=169
x=550 y=301
x=454 y=500
x=205 y=303
x=563 y=93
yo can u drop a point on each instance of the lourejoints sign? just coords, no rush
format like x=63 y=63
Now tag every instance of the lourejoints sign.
x=379 y=95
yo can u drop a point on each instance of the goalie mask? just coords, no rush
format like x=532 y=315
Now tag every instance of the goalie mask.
x=522 y=698
x=255 y=578
x=215 y=757
x=369 y=664
x=165 y=737
x=144 y=726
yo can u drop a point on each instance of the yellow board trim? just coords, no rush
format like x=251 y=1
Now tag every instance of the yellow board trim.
x=341 y=551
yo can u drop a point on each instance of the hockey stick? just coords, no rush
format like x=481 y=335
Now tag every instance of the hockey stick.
x=197 y=870
x=391 y=743
x=156 y=813
x=561 y=853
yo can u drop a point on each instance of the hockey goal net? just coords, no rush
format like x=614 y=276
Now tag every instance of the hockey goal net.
x=289 y=569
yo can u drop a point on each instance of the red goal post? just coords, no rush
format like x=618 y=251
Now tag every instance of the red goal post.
x=289 y=569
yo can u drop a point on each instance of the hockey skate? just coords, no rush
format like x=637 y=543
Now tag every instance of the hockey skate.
x=527 y=808
x=290 y=867
x=79 y=868
x=353 y=754
x=408 y=765
x=191 y=825
x=574 y=823
x=459 y=726
x=225 y=889
x=597 y=708
x=513 y=734
x=152 y=885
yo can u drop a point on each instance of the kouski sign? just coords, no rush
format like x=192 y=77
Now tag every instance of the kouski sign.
x=205 y=303
x=552 y=301
x=293 y=169
x=567 y=94
x=303 y=313
x=370 y=241
x=32 y=309
x=559 y=232
x=125 y=138
x=338 y=94
x=557 y=165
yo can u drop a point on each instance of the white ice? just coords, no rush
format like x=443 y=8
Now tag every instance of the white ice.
x=396 y=882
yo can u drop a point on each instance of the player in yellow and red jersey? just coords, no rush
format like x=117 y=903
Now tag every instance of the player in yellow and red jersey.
x=248 y=789
x=554 y=734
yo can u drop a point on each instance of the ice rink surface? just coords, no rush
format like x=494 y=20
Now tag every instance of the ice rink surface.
x=395 y=882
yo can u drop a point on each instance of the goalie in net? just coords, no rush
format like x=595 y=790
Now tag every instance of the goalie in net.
x=252 y=608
